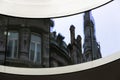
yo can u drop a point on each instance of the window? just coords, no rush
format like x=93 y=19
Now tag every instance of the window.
x=35 y=48
x=12 y=46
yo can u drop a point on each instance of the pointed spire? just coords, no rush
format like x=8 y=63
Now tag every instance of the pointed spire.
x=87 y=15
x=91 y=49
x=88 y=19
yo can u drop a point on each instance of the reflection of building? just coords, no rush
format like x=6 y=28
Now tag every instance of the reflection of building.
x=91 y=47
x=29 y=43
x=24 y=42
x=59 y=55
x=75 y=47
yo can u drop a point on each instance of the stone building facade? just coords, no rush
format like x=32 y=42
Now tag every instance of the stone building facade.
x=26 y=42
x=59 y=55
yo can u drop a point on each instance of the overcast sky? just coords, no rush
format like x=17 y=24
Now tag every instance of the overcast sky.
x=107 y=25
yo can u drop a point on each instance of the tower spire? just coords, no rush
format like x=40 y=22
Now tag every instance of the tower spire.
x=91 y=47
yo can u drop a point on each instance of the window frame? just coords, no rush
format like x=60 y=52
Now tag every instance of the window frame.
x=35 y=48
x=13 y=45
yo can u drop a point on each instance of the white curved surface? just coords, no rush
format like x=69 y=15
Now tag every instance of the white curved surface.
x=47 y=8
x=60 y=70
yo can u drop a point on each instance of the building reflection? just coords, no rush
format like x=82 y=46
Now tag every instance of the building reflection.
x=26 y=42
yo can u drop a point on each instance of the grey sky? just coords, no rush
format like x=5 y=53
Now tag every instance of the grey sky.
x=107 y=25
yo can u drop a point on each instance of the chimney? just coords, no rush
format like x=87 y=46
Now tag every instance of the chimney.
x=79 y=38
x=72 y=33
x=79 y=43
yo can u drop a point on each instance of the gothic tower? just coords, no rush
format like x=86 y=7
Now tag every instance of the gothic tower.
x=91 y=47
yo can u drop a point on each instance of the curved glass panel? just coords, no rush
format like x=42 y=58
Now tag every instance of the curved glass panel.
x=56 y=42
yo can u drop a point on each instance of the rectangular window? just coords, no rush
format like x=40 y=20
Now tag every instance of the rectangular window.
x=12 y=46
x=35 y=48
